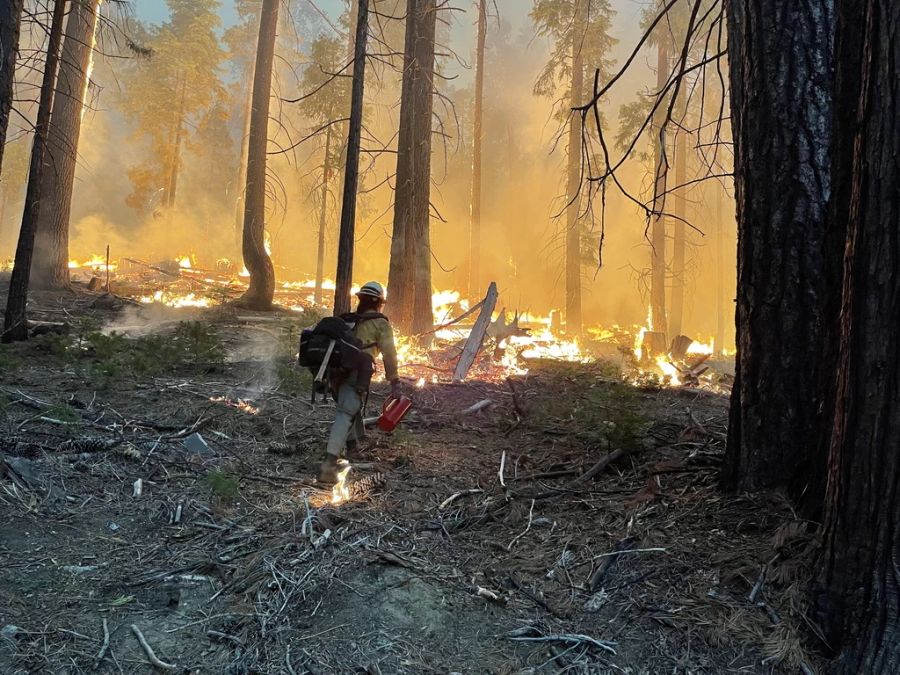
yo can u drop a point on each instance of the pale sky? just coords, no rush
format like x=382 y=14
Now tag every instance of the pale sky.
x=625 y=24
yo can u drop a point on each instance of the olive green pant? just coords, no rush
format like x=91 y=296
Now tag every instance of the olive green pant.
x=348 y=423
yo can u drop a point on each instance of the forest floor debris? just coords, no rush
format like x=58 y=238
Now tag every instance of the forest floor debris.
x=572 y=525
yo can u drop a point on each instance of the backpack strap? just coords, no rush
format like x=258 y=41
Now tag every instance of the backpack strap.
x=356 y=319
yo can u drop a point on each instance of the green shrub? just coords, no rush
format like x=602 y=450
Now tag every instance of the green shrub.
x=222 y=484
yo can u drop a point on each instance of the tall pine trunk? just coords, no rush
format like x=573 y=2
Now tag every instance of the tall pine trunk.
x=347 y=235
x=420 y=232
x=409 y=281
x=859 y=600
x=51 y=245
x=261 y=291
x=10 y=20
x=573 y=174
x=475 y=280
x=323 y=219
x=658 y=226
x=239 y=201
x=175 y=161
x=15 y=324
x=780 y=64
x=679 y=236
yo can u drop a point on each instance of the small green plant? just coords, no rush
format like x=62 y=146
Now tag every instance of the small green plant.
x=200 y=342
x=8 y=362
x=222 y=484
x=63 y=412
x=292 y=379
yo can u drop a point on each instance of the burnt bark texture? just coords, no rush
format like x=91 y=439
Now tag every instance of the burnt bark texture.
x=239 y=202
x=859 y=594
x=51 y=245
x=15 y=323
x=780 y=66
x=346 y=237
x=409 y=281
x=573 y=177
x=10 y=20
x=659 y=322
x=261 y=291
x=475 y=280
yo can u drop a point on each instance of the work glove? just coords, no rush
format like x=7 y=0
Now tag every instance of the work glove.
x=396 y=391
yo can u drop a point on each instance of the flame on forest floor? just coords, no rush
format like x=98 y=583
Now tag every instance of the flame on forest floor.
x=175 y=300
x=96 y=263
x=340 y=492
x=239 y=404
x=511 y=356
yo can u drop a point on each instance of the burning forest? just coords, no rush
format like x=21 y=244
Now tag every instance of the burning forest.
x=468 y=336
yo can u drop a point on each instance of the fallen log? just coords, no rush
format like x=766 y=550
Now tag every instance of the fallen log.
x=476 y=337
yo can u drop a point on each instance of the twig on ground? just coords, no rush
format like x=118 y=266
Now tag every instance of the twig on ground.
x=456 y=495
x=568 y=638
x=151 y=655
x=525 y=531
x=105 y=646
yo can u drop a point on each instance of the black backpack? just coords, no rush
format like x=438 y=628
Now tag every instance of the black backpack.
x=332 y=348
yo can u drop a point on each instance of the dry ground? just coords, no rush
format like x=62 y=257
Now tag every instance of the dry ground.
x=231 y=559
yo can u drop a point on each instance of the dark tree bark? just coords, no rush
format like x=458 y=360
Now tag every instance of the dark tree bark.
x=475 y=280
x=659 y=322
x=409 y=281
x=780 y=62
x=859 y=599
x=10 y=19
x=240 y=202
x=573 y=175
x=51 y=245
x=420 y=232
x=261 y=291
x=347 y=236
x=400 y=273
x=323 y=219
x=679 y=237
x=15 y=326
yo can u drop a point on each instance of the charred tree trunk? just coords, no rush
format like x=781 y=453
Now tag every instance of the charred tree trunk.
x=475 y=281
x=256 y=259
x=175 y=167
x=400 y=273
x=51 y=245
x=347 y=236
x=10 y=20
x=679 y=237
x=859 y=602
x=240 y=201
x=573 y=182
x=420 y=232
x=15 y=326
x=323 y=219
x=658 y=227
x=409 y=282
x=781 y=110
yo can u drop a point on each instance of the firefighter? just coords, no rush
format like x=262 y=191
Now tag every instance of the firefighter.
x=374 y=330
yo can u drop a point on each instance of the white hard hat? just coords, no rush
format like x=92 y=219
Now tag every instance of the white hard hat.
x=372 y=289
